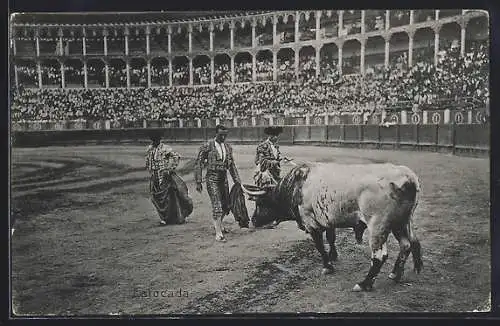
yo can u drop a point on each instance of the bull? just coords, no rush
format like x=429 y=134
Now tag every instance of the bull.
x=381 y=198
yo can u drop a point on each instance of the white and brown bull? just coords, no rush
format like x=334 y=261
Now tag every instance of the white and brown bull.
x=323 y=197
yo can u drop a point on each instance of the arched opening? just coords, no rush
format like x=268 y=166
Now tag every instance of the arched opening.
x=399 y=18
x=73 y=73
x=222 y=36
x=285 y=29
x=201 y=70
x=352 y=22
x=307 y=26
x=477 y=34
x=179 y=39
x=307 y=63
x=138 y=72
x=329 y=55
x=264 y=31
x=73 y=42
x=243 y=67
x=27 y=74
x=96 y=75
x=180 y=71
x=117 y=73
x=398 y=50
x=374 y=20
x=94 y=41
x=264 y=65
x=423 y=45
x=158 y=40
x=48 y=41
x=351 y=57
x=25 y=41
x=116 y=41
x=329 y=24
x=243 y=34
x=159 y=72
x=286 y=64
x=443 y=13
x=200 y=38
x=374 y=54
x=51 y=73
x=137 y=41
x=222 y=69
x=420 y=16
x=449 y=39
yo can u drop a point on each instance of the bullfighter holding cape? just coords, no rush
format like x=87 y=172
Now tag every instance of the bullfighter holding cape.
x=169 y=193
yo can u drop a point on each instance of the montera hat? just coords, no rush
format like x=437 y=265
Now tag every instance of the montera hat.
x=273 y=131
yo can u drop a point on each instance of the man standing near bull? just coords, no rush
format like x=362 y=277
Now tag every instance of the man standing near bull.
x=268 y=172
x=217 y=156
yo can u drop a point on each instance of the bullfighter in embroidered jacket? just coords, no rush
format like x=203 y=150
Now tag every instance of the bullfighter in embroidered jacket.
x=268 y=159
x=217 y=156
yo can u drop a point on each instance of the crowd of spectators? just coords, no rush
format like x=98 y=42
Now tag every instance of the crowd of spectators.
x=421 y=85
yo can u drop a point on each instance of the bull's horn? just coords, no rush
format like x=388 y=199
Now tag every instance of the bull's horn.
x=253 y=192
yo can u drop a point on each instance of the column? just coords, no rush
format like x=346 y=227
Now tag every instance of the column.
x=275 y=63
x=63 y=81
x=16 y=76
x=190 y=71
x=254 y=25
x=126 y=40
x=149 y=74
x=387 y=20
x=297 y=19
x=37 y=41
x=231 y=35
x=211 y=32
x=170 y=83
x=341 y=22
x=106 y=74
x=436 y=46
x=340 y=45
x=254 y=67
x=318 y=24
x=232 y=69
x=14 y=48
x=317 y=60
x=212 y=70
x=437 y=15
x=61 y=50
x=128 y=73
x=84 y=43
x=105 y=40
x=148 y=32
x=363 y=23
x=275 y=37
x=85 y=74
x=362 y=56
x=411 y=35
x=169 y=39
x=463 y=28
x=297 y=58
x=412 y=17
x=386 y=58
x=190 y=38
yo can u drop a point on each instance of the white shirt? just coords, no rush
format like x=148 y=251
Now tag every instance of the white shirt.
x=273 y=149
x=221 y=149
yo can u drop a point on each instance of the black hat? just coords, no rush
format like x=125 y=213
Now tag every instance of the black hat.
x=221 y=129
x=273 y=131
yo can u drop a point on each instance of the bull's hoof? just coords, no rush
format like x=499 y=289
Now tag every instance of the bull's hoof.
x=395 y=277
x=327 y=270
x=362 y=288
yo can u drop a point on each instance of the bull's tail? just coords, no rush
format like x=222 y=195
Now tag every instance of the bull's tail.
x=413 y=185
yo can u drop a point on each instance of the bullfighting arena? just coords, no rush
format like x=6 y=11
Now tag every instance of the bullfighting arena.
x=87 y=237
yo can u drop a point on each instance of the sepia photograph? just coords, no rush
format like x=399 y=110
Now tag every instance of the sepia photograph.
x=173 y=163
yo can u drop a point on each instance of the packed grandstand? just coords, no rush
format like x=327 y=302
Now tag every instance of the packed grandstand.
x=247 y=64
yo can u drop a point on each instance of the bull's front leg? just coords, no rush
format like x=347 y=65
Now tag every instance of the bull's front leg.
x=317 y=236
x=330 y=235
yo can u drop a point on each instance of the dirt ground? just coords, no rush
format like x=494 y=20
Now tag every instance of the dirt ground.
x=87 y=241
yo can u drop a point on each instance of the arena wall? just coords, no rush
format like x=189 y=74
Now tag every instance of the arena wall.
x=472 y=139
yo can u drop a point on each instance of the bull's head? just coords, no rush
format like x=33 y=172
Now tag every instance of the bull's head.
x=279 y=203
